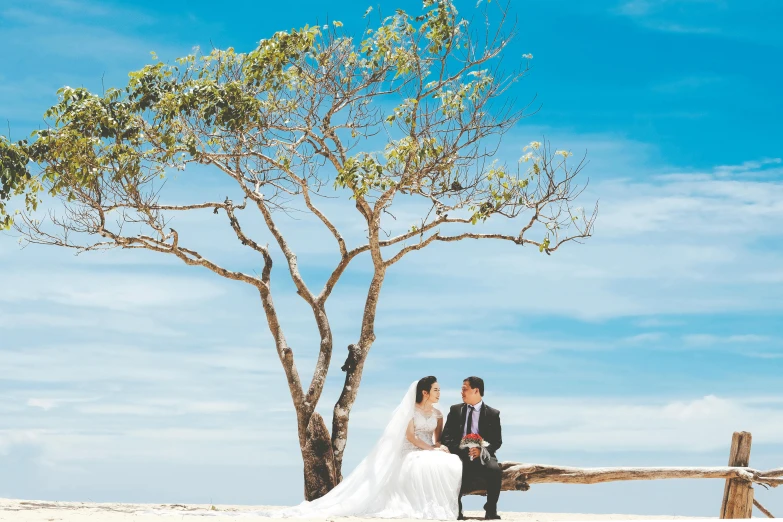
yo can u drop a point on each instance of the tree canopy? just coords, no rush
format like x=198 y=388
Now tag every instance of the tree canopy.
x=412 y=108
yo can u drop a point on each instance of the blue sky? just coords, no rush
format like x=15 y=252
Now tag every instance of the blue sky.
x=129 y=377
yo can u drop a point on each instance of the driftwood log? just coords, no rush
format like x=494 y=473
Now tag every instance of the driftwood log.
x=738 y=498
x=519 y=476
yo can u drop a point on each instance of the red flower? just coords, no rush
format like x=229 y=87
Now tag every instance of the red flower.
x=472 y=438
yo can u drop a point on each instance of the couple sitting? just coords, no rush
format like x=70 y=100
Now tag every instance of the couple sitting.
x=421 y=467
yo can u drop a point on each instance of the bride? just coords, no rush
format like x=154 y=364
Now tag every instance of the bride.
x=408 y=474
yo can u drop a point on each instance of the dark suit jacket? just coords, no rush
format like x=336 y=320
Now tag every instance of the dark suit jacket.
x=489 y=428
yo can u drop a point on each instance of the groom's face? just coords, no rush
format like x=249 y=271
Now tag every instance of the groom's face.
x=470 y=395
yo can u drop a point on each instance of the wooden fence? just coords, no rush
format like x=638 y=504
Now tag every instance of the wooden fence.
x=738 y=498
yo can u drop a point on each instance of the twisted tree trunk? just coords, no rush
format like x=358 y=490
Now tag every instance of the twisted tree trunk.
x=353 y=367
x=320 y=473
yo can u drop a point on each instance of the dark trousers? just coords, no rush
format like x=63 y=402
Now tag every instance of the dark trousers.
x=476 y=475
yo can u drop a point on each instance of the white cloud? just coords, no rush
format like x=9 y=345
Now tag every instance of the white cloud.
x=710 y=340
x=644 y=337
x=120 y=291
x=11 y=438
x=207 y=446
x=45 y=404
x=687 y=83
x=671 y=16
x=49 y=403
x=112 y=322
x=168 y=408
x=750 y=168
x=687 y=243
x=668 y=242
x=110 y=363
x=635 y=424
x=531 y=425
x=635 y=7
x=762 y=355
x=656 y=322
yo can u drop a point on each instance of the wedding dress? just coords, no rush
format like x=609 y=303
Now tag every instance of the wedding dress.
x=428 y=482
x=396 y=479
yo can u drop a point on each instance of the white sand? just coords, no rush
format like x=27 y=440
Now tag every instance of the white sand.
x=47 y=511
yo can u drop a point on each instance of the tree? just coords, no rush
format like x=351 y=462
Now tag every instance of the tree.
x=14 y=177
x=294 y=119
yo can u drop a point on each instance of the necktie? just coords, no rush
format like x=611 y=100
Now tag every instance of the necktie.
x=469 y=429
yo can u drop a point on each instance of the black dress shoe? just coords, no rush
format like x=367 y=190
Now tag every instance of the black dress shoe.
x=491 y=516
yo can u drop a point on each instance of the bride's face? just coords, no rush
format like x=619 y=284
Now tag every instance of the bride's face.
x=434 y=393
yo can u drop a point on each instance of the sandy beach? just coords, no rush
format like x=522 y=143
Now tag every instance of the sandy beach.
x=50 y=511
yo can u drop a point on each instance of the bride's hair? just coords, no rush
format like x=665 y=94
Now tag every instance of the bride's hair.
x=424 y=385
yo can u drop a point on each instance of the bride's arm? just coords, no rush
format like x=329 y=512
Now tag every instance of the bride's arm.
x=438 y=433
x=411 y=436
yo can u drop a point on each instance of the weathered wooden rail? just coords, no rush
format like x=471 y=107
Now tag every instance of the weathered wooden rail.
x=738 y=498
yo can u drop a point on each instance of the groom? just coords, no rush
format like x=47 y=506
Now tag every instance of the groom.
x=473 y=416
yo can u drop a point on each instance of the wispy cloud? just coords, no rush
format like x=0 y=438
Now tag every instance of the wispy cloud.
x=49 y=403
x=75 y=42
x=656 y=322
x=108 y=291
x=606 y=425
x=531 y=424
x=709 y=340
x=750 y=22
x=30 y=10
x=128 y=370
x=672 y=16
x=763 y=355
x=687 y=84
x=765 y=168
x=646 y=337
x=687 y=242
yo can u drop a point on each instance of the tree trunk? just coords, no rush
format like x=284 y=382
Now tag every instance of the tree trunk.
x=738 y=494
x=320 y=474
x=353 y=367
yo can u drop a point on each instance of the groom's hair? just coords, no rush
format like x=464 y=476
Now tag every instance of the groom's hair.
x=476 y=382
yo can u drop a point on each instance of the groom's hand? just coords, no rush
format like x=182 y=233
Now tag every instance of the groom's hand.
x=475 y=452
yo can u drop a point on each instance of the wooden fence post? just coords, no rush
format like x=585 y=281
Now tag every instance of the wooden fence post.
x=738 y=493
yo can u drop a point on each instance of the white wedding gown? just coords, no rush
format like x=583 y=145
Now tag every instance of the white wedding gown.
x=428 y=482
x=395 y=480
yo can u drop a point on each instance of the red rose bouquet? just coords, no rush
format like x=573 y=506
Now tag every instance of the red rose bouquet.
x=474 y=440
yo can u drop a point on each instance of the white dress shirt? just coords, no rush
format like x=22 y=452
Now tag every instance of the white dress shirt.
x=474 y=421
